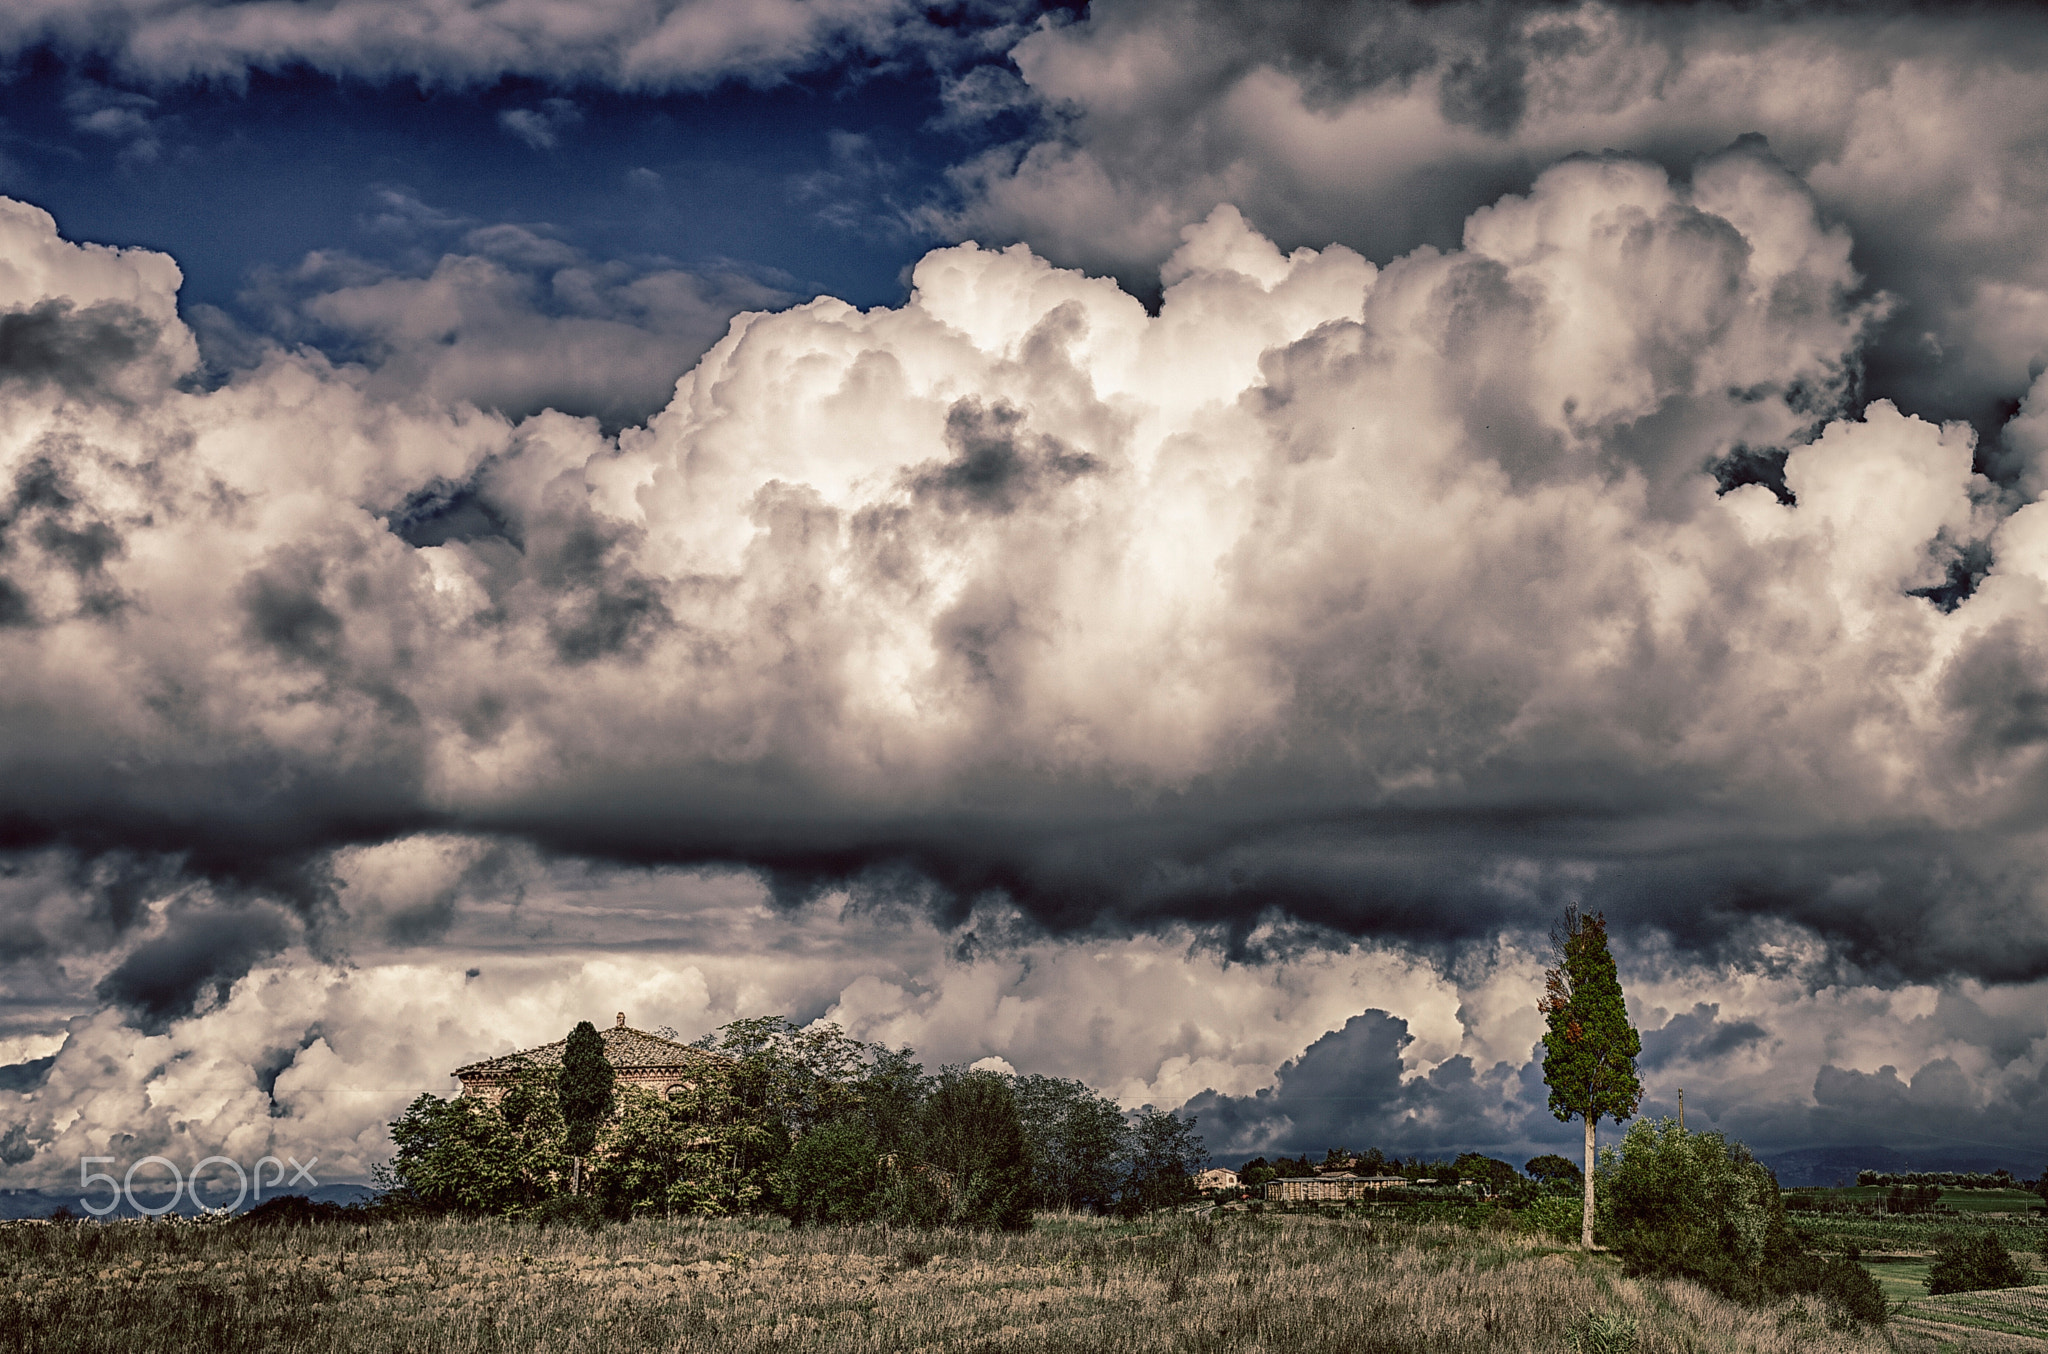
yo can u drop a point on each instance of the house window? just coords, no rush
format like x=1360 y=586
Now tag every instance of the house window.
x=676 y=1091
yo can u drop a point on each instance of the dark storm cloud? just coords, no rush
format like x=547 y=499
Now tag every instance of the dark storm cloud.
x=203 y=950
x=287 y=613
x=15 y=1147
x=1441 y=879
x=1938 y=1104
x=25 y=1077
x=1346 y=1090
x=74 y=349
x=997 y=461
x=44 y=515
x=1699 y=1035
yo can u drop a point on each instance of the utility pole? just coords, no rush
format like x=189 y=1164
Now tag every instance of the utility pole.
x=1681 y=1109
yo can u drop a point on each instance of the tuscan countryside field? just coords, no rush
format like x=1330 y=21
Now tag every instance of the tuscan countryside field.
x=1214 y=1281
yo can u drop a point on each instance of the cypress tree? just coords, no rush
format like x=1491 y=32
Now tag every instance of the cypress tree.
x=585 y=1092
x=1589 y=1050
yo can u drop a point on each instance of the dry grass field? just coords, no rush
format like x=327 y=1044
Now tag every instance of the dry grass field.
x=1288 y=1284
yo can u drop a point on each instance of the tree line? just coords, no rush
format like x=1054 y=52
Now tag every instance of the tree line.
x=1943 y=1179
x=802 y=1121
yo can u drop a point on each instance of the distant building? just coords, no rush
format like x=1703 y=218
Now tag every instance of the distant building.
x=1216 y=1177
x=638 y=1058
x=1323 y=1188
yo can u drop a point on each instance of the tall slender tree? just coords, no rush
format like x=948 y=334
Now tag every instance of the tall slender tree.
x=585 y=1093
x=1589 y=1050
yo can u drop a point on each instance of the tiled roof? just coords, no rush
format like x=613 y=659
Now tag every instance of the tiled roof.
x=625 y=1048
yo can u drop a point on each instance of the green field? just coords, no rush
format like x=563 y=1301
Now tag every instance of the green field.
x=1961 y=1200
x=1902 y=1279
x=1918 y=1235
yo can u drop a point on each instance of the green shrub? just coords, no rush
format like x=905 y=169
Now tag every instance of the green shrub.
x=1691 y=1205
x=296 y=1210
x=1964 y=1263
x=471 y=1155
x=832 y=1176
x=974 y=1134
x=1697 y=1206
x=1556 y=1214
x=697 y=1151
x=912 y=1194
x=1853 y=1290
x=1597 y=1334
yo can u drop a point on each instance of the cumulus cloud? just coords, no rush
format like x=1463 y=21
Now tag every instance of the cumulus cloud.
x=1326 y=600
x=1384 y=125
x=1404 y=600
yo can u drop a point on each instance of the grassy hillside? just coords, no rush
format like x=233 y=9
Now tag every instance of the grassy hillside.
x=1235 y=1282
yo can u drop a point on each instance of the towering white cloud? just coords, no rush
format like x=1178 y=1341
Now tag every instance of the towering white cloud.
x=967 y=585
x=1383 y=125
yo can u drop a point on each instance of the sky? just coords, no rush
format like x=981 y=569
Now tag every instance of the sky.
x=1155 y=542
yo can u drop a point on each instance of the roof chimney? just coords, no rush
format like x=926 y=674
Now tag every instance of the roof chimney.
x=622 y=1020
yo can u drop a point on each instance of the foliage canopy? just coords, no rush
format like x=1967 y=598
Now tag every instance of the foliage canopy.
x=1589 y=1048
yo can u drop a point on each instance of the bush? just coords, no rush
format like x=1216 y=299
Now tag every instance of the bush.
x=913 y=1194
x=1694 y=1206
x=1964 y=1264
x=1552 y=1168
x=1853 y=1290
x=1556 y=1214
x=471 y=1155
x=698 y=1151
x=975 y=1135
x=1697 y=1206
x=1596 y=1334
x=832 y=1176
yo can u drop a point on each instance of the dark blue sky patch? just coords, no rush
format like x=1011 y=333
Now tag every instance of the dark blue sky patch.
x=810 y=181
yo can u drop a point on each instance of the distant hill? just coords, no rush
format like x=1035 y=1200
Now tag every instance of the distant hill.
x=1839 y=1165
x=40 y=1203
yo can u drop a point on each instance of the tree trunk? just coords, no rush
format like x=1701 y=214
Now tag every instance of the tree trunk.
x=1586 y=1219
x=576 y=1186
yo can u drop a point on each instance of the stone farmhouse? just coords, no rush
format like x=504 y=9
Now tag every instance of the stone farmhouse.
x=638 y=1058
x=1322 y=1188
x=1216 y=1177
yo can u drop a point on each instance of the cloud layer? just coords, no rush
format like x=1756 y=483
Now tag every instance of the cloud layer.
x=1406 y=600
x=664 y=44
x=1208 y=699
